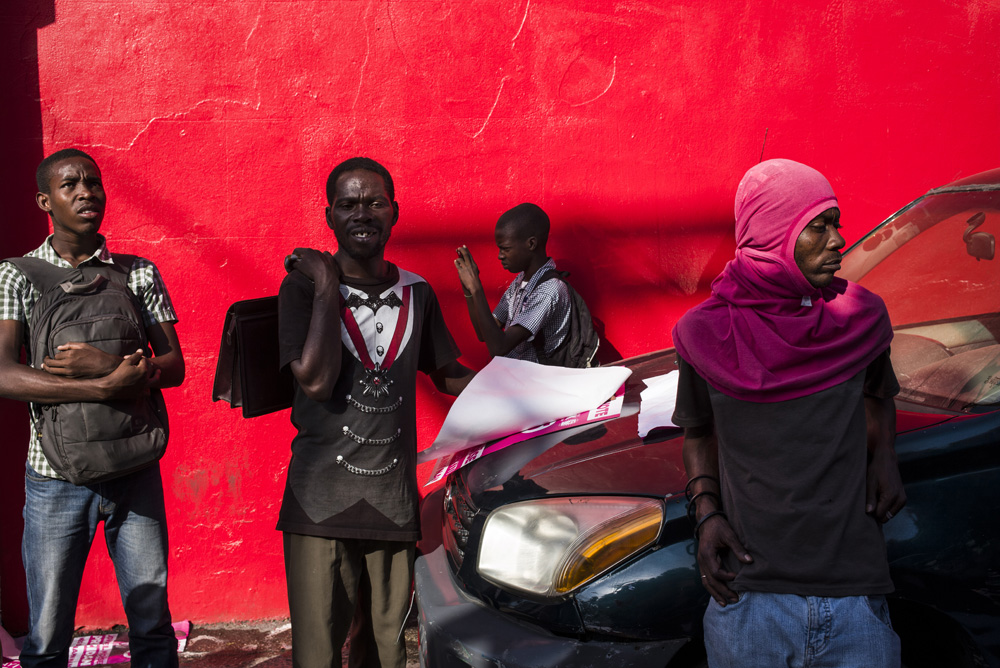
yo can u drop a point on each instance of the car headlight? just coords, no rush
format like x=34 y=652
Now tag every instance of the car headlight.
x=549 y=547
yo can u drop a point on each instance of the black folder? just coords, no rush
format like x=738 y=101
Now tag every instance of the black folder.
x=247 y=373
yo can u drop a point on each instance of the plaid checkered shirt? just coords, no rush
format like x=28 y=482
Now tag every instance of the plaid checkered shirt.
x=18 y=296
x=538 y=306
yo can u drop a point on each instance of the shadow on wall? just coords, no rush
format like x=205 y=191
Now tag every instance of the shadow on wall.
x=25 y=227
x=637 y=281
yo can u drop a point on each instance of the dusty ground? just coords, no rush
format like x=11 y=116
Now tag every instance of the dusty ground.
x=259 y=644
x=267 y=644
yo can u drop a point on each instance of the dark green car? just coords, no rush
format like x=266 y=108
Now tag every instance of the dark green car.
x=573 y=548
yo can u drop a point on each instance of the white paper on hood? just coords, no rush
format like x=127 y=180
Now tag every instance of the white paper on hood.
x=510 y=395
x=657 y=401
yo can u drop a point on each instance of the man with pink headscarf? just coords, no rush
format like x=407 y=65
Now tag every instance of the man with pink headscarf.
x=785 y=397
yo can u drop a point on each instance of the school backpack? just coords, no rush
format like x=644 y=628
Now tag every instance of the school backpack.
x=580 y=345
x=88 y=442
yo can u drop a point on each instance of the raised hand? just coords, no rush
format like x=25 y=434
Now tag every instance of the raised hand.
x=468 y=271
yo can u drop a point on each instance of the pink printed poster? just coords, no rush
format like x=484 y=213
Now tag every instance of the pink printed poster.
x=103 y=650
x=452 y=462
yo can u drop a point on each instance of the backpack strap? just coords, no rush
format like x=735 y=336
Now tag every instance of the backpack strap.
x=44 y=275
x=41 y=273
x=554 y=273
x=123 y=262
x=539 y=340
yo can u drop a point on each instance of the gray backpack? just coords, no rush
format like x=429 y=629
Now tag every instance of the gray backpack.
x=578 y=349
x=87 y=442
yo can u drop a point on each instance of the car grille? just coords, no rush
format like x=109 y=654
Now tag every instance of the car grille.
x=459 y=511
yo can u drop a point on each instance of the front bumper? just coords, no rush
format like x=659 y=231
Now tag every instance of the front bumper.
x=457 y=630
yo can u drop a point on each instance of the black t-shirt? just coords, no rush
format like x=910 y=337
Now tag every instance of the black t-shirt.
x=793 y=477
x=353 y=467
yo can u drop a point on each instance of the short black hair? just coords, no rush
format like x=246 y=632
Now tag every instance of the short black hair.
x=527 y=220
x=353 y=164
x=43 y=175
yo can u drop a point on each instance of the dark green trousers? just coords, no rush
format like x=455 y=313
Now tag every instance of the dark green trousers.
x=326 y=580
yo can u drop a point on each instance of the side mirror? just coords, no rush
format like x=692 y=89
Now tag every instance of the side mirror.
x=980 y=245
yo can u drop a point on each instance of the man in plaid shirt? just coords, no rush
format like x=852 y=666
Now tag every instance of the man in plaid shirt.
x=532 y=308
x=60 y=519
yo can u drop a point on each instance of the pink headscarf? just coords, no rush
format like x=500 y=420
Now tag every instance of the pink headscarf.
x=756 y=338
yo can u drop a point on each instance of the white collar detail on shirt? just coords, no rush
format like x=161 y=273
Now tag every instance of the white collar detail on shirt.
x=379 y=328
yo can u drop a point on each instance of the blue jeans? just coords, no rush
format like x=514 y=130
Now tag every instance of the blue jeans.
x=60 y=521
x=770 y=630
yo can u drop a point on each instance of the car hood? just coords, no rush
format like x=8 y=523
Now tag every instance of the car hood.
x=603 y=458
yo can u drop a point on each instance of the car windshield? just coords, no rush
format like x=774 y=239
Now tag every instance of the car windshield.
x=934 y=265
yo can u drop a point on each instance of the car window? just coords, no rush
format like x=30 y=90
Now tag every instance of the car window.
x=935 y=266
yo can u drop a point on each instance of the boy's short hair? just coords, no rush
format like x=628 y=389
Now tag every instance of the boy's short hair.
x=43 y=175
x=527 y=220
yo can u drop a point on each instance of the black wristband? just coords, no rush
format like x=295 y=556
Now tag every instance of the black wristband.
x=691 y=507
x=705 y=493
x=687 y=488
x=705 y=517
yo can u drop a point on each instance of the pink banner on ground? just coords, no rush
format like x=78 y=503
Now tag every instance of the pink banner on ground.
x=102 y=650
x=450 y=463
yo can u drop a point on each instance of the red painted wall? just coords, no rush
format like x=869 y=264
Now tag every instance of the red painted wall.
x=216 y=122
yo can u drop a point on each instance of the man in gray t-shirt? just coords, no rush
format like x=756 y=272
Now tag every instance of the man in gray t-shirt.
x=785 y=396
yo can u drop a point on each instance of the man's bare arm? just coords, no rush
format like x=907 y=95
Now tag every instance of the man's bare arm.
x=468 y=274
x=885 y=493
x=318 y=368
x=715 y=535
x=24 y=383
x=168 y=360
x=82 y=360
x=452 y=378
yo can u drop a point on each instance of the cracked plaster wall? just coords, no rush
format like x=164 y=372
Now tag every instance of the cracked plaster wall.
x=215 y=123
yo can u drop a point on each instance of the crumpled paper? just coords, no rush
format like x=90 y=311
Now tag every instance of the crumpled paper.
x=657 y=401
x=510 y=395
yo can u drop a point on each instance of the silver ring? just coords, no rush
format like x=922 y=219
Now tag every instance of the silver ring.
x=704 y=577
x=888 y=515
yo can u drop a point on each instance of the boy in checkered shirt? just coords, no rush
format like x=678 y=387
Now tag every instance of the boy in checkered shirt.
x=534 y=311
